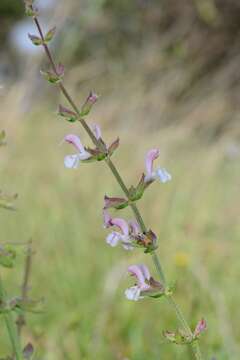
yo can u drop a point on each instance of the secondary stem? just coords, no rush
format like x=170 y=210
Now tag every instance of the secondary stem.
x=115 y=172
x=11 y=327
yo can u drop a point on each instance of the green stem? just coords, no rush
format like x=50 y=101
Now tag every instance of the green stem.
x=115 y=172
x=11 y=328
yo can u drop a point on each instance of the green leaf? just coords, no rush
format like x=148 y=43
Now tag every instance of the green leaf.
x=50 y=34
x=36 y=40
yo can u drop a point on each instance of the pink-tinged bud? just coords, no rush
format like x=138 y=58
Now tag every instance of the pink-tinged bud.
x=36 y=40
x=66 y=113
x=92 y=98
x=152 y=155
x=200 y=328
x=75 y=141
x=113 y=147
x=87 y=106
x=114 y=202
x=50 y=34
x=60 y=69
x=97 y=131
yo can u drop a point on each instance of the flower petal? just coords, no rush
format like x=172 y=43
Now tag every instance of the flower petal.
x=122 y=225
x=113 y=238
x=150 y=157
x=145 y=271
x=163 y=175
x=71 y=161
x=133 y=293
x=75 y=141
x=136 y=271
x=84 y=155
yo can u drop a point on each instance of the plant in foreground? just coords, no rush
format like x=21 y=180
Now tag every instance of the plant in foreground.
x=130 y=234
x=13 y=309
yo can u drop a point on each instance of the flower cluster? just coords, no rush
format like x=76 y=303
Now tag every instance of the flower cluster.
x=127 y=233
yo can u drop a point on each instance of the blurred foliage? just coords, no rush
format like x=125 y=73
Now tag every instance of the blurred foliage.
x=10 y=11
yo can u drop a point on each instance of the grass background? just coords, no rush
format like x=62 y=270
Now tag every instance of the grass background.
x=82 y=279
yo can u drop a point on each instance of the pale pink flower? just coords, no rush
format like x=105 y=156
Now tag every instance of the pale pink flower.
x=122 y=235
x=143 y=277
x=72 y=161
x=160 y=173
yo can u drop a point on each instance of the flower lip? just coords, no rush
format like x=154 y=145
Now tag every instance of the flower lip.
x=163 y=175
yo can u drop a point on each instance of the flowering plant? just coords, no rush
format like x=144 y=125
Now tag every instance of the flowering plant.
x=130 y=234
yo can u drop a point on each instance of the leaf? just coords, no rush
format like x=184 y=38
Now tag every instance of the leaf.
x=36 y=40
x=50 y=34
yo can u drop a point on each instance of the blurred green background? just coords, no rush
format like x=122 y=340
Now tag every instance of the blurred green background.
x=168 y=76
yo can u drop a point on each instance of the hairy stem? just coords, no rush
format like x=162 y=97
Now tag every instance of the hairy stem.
x=11 y=328
x=116 y=174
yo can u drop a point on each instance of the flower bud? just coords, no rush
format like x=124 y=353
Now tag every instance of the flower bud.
x=113 y=147
x=200 y=328
x=87 y=106
x=115 y=202
x=66 y=113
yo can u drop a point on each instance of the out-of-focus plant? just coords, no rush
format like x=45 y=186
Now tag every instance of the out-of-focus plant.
x=130 y=234
x=13 y=309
